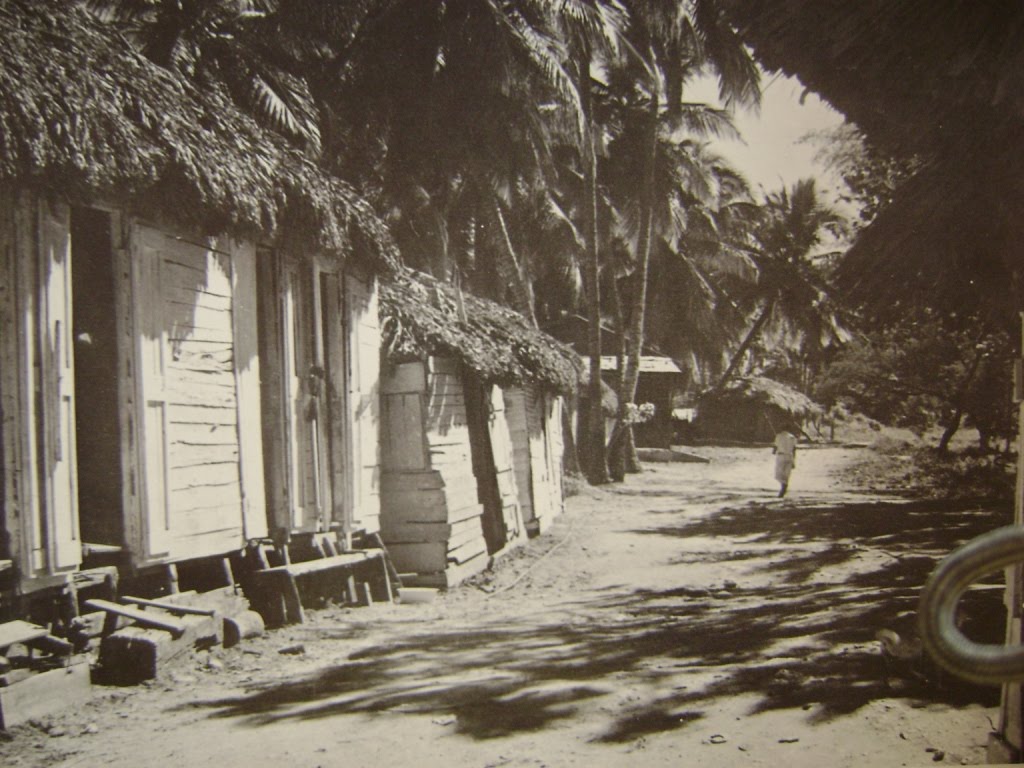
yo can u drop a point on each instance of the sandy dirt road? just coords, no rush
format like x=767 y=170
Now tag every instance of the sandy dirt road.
x=685 y=617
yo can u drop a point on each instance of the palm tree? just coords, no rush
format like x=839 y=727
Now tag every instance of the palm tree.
x=260 y=51
x=691 y=314
x=790 y=295
x=673 y=41
x=592 y=33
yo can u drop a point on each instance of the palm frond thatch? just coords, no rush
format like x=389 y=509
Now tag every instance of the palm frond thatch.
x=422 y=316
x=770 y=392
x=85 y=115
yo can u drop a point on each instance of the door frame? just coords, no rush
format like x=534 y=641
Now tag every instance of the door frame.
x=310 y=293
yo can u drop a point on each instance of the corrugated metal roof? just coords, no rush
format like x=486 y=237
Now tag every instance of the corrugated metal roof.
x=648 y=364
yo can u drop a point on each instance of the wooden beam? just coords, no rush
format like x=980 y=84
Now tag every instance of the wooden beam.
x=143 y=618
x=181 y=610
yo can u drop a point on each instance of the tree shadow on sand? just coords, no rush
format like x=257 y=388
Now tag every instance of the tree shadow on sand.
x=650 y=661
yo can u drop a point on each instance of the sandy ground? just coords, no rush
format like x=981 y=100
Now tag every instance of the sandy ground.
x=684 y=617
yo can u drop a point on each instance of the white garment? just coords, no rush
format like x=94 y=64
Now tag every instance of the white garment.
x=785 y=456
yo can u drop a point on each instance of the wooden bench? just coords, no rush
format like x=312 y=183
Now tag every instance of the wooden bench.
x=277 y=595
x=32 y=636
x=142 y=618
x=19 y=633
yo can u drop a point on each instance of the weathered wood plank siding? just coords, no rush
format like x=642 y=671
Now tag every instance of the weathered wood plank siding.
x=516 y=414
x=430 y=513
x=504 y=466
x=554 y=425
x=535 y=422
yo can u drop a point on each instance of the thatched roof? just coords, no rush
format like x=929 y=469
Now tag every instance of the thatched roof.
x=422 y=316
x=914 y=75
x=770 y=392
x=950 y=238
x=943 y=79
x=84 y=115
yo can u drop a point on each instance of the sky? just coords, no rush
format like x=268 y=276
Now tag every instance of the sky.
x=771 y=153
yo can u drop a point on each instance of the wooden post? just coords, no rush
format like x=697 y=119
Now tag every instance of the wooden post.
x=172 y=578
x=350 y=589
x=293 y=613
x=229 y=574
x=259 y=555
x=1007 y=745
x=384 y=580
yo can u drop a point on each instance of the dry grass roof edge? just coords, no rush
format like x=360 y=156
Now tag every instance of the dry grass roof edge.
x=770 y=392
x=422 y=316
x=85 y=116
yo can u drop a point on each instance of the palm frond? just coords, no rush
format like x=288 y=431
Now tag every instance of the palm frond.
x=700 y=120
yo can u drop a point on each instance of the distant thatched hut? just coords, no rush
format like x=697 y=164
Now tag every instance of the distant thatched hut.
x=752 y=410
x=472 y=444
x=162 y=322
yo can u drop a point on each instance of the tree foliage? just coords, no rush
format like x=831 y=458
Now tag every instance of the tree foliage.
x=790 y=303
x=871 y=176
x=930 y=370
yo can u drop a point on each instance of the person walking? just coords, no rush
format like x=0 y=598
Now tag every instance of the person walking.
x=784 y=450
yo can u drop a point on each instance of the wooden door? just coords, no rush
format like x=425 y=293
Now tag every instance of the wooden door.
x=55 y=535
x=188 y=361
x=504 y=462
x=152 y=340
x=331 y=363
x=307 y=397
x=539 y=463
x=363 y=382
x=248 y=370
x=478 y=421
x=335 y=365
x=553 y=438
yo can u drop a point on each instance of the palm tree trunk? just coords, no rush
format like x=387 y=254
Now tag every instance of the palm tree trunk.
x=593 y=455
x=752 y=334
x=616 y=454
x=638 y=308
x=511 y=270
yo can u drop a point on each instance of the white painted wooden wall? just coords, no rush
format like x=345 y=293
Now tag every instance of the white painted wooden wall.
x=200 y=447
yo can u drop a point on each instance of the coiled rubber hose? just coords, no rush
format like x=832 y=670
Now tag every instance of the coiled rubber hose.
x=979 y=662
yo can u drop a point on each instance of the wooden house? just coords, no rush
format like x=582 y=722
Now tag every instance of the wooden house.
x=660 y=382
x=189 y=347
x=471 y=428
